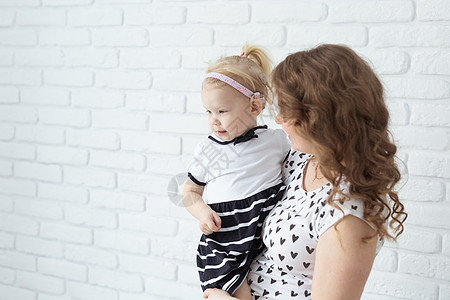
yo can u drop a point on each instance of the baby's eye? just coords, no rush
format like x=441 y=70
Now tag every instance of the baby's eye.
x=208 y=112
x=222 y=111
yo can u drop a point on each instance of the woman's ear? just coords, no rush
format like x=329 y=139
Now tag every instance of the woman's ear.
x=256 y=106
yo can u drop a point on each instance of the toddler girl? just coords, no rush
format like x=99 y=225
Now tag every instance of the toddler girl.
x=235 y=175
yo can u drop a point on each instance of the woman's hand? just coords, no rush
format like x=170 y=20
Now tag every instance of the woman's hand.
x=217 y=294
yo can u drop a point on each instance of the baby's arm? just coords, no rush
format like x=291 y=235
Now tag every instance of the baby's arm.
x=192 y=199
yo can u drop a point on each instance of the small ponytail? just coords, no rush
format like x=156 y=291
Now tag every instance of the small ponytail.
x=251 y=69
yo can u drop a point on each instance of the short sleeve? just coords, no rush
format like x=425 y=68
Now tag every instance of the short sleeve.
x=329 y=215
x=197 y=167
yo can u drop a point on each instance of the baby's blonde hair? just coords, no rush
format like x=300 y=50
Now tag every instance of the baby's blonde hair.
x=251 y=69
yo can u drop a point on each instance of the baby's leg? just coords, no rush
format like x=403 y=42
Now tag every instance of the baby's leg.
x=243 y=292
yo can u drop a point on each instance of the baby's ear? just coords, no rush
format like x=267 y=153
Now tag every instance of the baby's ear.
x=256 y=106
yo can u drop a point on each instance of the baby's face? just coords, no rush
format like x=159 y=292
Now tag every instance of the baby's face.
x=229 y=112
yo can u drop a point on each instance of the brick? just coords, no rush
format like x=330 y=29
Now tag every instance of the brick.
x=20 y=77
x=427 y=164
x=6 y=169
x=38 y=208
x=423 y=190
x=150 y=143
x=41 y=17
x=388 y=62
x=125 y=161
x=436 y=266
x=6 y=57
x=75 y=78
x=309 y=36
x=270 y=36
x=187 y=273
x=444 y=292
x=65 y=117
x=6 y=241
x=148 y=266
x=399 y=112
x=39 y=134
x=265 y=12
x=18 y=114
x=44 y=96
x=194 y=104
x=7 y=132
x=429 y=214
x=219 y=13
x=6 y=18
x=122 y=241
x=120 y=120
x=165 y=164
x=6 y=202
x=38 y=171
x=64 y=37
x=38 y=246
x=386 y=260
x=62 y=193
x=66 y=2
x=179 y=123
x=86 y=57
x=123 y=79
x=95 y=17
x=97 y=98
x=416 y=88
x=404 y=287
x=186 y=36
x=433 y=63
x=142 y=183
x=153 y=225
x=160 y=287
x=34 y=57
x=93 y=139
x=40 y=282
x=156 y=101
x=61 y=268
x=197 y=58
x=421 y=137
x=14 y=293
x=17 y=187
x=155 y=14
x=371 y=11
x=150 y=59
x=62 y=155
x=20 y=3
x=84 y=291
x=120 y=37
x=168 y=248
x=116 y=280
x=17 y=261
x=433 y=10
x=409 y=36
x=18 y=37
x=7 y=276
x=67 y=233
x=91 y=255
x=177 y=81
x=89 y=177
x=86 y=216
x=122 y=1
x=115 y=200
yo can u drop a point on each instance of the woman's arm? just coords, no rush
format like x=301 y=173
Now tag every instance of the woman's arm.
x=342 y=267
x=192 y=199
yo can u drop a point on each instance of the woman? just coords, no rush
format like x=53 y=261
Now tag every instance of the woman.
x=340 y=202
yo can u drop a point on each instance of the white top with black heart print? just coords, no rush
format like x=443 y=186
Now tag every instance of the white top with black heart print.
x=291 y=232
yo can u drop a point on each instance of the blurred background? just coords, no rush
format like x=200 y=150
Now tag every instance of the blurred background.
x=100 y=111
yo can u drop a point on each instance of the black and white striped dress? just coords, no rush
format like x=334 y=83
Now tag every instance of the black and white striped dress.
x=242 y=180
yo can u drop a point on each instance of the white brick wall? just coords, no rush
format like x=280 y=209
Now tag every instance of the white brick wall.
x=99 y=108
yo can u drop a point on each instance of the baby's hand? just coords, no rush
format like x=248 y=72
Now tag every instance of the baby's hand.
x=209 y=221
x=216 y=294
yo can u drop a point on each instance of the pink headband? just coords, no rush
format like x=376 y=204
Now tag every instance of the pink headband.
x=233 y=83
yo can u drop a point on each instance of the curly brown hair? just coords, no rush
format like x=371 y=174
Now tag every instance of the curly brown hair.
x=337 y=103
